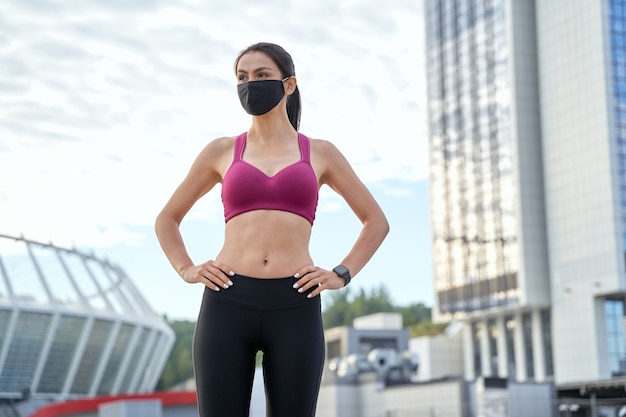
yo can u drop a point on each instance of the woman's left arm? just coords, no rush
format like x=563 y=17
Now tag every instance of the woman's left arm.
x=336 y=172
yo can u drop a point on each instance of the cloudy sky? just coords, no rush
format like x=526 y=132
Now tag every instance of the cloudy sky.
x=105 y=104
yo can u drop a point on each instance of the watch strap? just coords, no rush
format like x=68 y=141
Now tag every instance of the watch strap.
x=344 y=273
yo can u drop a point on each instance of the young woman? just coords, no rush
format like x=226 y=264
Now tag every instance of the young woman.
x=262 y=289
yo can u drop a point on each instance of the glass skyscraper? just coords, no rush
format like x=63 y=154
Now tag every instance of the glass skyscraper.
x=527 y=128
x=473 y=207
x=487 y=203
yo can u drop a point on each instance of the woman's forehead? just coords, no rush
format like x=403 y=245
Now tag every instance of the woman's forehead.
x=254 y=59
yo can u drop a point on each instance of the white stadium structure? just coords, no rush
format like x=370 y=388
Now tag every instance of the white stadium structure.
x=72 y=326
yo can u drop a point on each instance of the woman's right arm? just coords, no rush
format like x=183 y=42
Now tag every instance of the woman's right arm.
x=201 y=178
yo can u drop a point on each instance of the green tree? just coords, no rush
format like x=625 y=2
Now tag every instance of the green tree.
x=414 y=313
x=179 y=366
x=426 y=328
x=337 y=308
x=344 y=307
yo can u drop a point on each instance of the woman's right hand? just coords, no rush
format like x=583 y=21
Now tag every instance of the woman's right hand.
x=214 y=275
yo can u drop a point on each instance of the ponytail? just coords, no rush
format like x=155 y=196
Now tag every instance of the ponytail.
x=294 y=108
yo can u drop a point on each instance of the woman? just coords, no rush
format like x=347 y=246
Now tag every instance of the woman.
x=262 y=289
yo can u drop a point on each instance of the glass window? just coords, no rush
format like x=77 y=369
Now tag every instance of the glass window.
x=154 y=353
x=24 y=351
x=617 y=38
x=493 y=346
x=367 y=344
x=528 y=345
x=115 y=360
x=546 y=326
x=510 y=324
x=139 y=348
x=5 y=316
x=61 y=353
x=477 y=333
x=613 y=314
x=91 y=357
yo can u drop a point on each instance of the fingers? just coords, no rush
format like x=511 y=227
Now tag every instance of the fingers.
x=317 y=279
x=214 y=275
x=218 y=275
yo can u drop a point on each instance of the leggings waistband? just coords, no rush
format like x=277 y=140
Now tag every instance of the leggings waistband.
x=262 y=293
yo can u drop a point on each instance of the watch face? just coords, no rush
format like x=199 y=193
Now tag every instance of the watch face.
x=341 y=270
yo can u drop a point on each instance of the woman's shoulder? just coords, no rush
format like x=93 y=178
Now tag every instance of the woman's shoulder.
x=323 y=147
x=220 y=145
x=222 y=142
x=216 y=154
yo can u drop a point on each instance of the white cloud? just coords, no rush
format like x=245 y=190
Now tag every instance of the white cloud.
x=104 y=105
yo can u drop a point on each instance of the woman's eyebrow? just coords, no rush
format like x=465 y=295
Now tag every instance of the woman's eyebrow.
x=256 y=70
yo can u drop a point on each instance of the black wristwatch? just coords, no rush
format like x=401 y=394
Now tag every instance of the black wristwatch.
x=343 y=272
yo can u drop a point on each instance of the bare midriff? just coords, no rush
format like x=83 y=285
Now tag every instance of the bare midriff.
x=266 y=244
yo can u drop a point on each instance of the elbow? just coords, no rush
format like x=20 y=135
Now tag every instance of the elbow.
x=158 y=222
x=161 y=222
x=377 y=223
x=380 y=226
x=384 y=227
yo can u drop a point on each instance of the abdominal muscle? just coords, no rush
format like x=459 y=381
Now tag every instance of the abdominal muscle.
x=266 y=244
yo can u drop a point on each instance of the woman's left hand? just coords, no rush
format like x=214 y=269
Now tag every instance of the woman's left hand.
x=311 y=276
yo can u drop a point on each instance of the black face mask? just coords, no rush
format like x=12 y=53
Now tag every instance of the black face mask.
x=259 y=97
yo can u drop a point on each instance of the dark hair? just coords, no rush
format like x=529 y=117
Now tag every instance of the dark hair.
x=285 y=64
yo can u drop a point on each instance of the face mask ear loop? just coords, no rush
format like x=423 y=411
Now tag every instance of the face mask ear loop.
x=285 y=79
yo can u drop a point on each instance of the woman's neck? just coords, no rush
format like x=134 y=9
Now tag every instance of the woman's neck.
x=267 y=128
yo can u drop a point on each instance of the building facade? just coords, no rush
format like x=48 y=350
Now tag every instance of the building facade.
x=73 y=325
x=487 y=201
x=527 y=130
x=583 y=110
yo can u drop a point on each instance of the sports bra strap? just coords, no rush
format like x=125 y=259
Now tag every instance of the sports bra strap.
x=240 y=142
x=305 y=148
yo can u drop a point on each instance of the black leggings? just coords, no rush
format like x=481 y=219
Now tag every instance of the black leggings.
x=258 y=314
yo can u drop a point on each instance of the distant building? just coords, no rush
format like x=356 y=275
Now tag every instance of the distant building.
x=72 y=326
x=370 y=371
x=440 y=356
x=527 y=127
x=382 y=372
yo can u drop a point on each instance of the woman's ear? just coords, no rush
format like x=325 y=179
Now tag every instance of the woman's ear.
x=292 y=83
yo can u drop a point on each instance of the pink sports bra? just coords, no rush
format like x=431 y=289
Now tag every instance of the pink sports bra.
x=294 y=188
